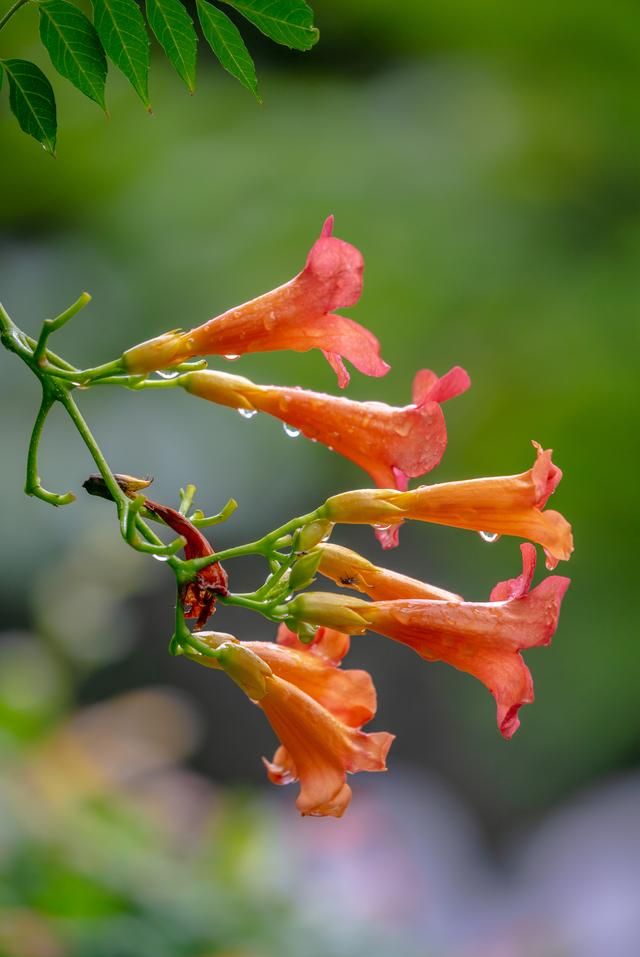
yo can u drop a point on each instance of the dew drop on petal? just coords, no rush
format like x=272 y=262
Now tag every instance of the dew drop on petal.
x=382 y=528
x=167 y=375
x=231 y=358
x=248 y=413
x=489 y=537
x=289 y=430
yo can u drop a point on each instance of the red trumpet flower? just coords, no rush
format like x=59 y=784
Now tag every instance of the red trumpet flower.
x=391 y=444
x=297 y=316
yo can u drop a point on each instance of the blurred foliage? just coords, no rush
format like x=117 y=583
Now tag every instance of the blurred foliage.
x=78 y=48
x=107 y=845
x=486 y=159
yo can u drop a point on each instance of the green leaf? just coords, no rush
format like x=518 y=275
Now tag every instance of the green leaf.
x=224 y=39
x=74 y=47
x=32 y=101
x=176 y=35
x=289 y=22
x=122 y=30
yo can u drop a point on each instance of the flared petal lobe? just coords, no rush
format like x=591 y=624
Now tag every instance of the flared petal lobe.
x=297 y=316
x=506 y=505
x=320 y=749
x=348 y=694
x=314 y=707
x=481 y=638
x=392 y=444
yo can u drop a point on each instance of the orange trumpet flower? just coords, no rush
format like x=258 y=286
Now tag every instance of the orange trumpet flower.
x=298 y=316
x=481 y=638
x=391 y=444
x=507 y=505
x=351 y=570
x=315 y=709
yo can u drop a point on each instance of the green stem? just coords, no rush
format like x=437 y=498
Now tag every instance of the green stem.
x=88 y=376
x=123 y=503
x=264 y=608
x=263 y=546
x=52 y=325
x=32 y=484
x=87 y=437
x=10 y=12
x=51 y=357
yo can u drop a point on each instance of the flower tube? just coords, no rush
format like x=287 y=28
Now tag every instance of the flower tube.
x=315 y=709
x=297 y=316
x=506 y=505
x=352 y=570
x=392 y=444
x=482 y=638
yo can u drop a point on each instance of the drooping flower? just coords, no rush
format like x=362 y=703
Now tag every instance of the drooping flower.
x=297 y=316
x=482 y=638
x=315 y=709
x=352 y=570
x=198 y=596
x=506 y=505
x=392 y=444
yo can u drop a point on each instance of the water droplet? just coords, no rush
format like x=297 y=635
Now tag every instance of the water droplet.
x=489 y=537
x=403 y=426
x=167 y=375
x=231 y=358
x=382 y=528
x=248 y=413
x=161 y=558
x=289 y=430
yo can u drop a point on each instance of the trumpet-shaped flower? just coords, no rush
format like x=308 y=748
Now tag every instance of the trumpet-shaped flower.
x=315 y=708
x=507 y=505
x=297 y=316
x=351 y=570
x=391 y=444
x=482 y=638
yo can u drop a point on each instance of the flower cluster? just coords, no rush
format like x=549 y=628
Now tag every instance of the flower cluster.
x=316 y=708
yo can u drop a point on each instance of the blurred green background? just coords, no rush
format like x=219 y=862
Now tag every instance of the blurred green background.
x=486 y=160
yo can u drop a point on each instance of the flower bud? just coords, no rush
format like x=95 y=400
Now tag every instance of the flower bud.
x=306 y=633
x=245 y=667
x=334 y=611
x=166 y=350
x=304 y=571
x=367 y=506
x=312 y=534
x=220 y=387
x=130 y=485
